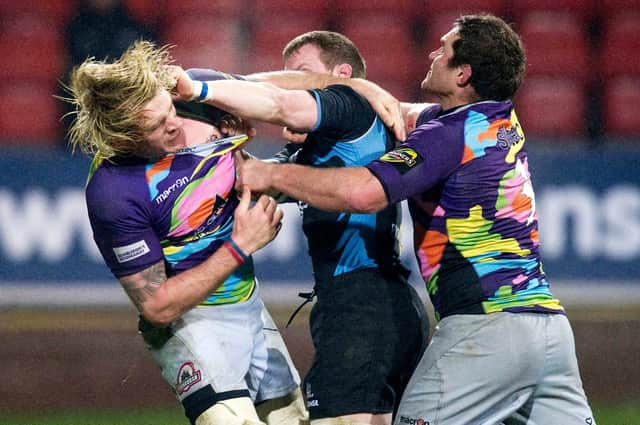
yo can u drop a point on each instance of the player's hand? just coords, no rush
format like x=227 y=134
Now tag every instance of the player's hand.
x=230 y=125
x=252 y=173
x=293 y=136
x=384 y=103
x=183 y=85
x=257 y=225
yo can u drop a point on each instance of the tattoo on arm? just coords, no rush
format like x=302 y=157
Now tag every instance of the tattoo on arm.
x=142 y=285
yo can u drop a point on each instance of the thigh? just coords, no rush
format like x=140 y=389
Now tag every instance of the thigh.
x=339 y=381
x=367 y=335
x=209 y=346
x=477 y=369
x=272 y=373
x=560 y=397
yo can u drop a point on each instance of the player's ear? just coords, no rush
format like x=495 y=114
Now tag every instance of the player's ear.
x=343 y=70
x=464 y=75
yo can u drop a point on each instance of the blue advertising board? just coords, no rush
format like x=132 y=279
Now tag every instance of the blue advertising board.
x=588 y=202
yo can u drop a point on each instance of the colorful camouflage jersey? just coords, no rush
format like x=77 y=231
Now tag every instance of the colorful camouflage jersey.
x=466 y=176
x=179 y=208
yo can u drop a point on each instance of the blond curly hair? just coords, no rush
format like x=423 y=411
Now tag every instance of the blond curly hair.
x=108 y=99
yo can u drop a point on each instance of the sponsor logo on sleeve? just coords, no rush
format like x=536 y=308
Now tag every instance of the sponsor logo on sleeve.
x=131 y=251
x=403 y=158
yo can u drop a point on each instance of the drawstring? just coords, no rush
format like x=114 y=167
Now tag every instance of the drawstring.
x=308 y=297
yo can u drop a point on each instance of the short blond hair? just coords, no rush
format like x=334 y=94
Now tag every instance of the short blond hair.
x=108 y=99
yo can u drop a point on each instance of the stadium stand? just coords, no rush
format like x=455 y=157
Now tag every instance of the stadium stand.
x=30 y=114
x=269 y=36
x=552 y=107
x=207 y=41
x=31 y=45
x=347 y=10
x=149 y=12
x=584 y=10
x=388 y=46
x=620 y=45
x=431 y=7
x=621 y=98
x=230 y=9
x=556 y=44
x=606 y=8
x=577 y=49
x=57 y=10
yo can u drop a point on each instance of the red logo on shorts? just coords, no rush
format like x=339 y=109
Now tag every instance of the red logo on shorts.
x=188 y=376
x=413 y=421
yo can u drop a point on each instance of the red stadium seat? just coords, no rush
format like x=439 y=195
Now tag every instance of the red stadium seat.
x=148 y=12
x=556 y=44
x=436 y=25
x=387 y=46
x=620 y=45
x=30 y=114
x=262 y=9
x=552 y=107
x=438 y=17
x=32 y=47
x=270 y=37
x=621 y=97
x=496 y=7
x=202 y=42
x=582 y=10
x=174 y=10
x=348 y=10
x=614 y=7
x=57 y=10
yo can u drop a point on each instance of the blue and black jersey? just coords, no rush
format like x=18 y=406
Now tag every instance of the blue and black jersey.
x=348 y=133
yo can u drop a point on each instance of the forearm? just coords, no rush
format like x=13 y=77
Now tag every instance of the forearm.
x=296 y=80
x=246 y=99
x=348 y=189
x=264 y=102
x=162 y=300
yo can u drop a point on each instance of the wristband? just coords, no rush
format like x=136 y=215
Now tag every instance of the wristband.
x=201 y=91
x=236 y=252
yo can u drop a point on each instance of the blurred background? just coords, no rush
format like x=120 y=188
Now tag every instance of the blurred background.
x=68 y=333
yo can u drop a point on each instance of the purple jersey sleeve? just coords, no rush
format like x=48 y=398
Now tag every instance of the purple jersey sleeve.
x=120 y=223
x=428 y=114
x=203 y=74
x=430 y=153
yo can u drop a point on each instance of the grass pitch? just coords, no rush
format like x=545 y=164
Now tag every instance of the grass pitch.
x=627 y=413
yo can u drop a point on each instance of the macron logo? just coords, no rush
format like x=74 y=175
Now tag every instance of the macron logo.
x=131 y=251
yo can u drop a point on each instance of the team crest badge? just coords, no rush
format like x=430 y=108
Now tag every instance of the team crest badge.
x=188 y=376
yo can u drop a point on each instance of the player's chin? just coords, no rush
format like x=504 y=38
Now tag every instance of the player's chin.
x=175 y=145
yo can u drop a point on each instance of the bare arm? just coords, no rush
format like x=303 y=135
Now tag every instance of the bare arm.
x=350 y=189
x=295 y=109
x=161 y=300
x=280 y=97
x=392 y=112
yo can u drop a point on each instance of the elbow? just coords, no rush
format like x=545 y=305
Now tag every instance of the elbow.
x=366 y=201
x=369 y=197
x=362 y=205
x=292 y=111
x=159 y=316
